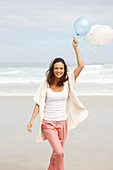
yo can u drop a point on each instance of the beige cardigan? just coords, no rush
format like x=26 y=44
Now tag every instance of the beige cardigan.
x=75 y=110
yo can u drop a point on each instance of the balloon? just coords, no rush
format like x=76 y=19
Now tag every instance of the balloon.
x=102 y=34
x=82 y=26
x=93 y=27
x=90 y=36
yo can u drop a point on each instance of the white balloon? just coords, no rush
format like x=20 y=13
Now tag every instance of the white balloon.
x=102 y=34
x=93 y=27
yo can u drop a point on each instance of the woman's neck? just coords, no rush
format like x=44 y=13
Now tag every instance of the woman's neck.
x=56 y=81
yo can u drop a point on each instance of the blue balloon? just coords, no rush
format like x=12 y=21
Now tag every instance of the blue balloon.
x=82 y=26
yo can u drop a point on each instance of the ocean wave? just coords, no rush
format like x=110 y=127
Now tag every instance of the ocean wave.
x=10 y=72
x=20 y=80
x=24 y=80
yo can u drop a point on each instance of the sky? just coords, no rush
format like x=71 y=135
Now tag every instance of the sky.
x=37 y=31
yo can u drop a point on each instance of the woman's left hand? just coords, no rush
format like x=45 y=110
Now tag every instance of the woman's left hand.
x=74 y=42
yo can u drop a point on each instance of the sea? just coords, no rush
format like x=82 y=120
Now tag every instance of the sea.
x=24 y=79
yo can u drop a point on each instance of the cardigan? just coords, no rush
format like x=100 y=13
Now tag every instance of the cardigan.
x=76 y=111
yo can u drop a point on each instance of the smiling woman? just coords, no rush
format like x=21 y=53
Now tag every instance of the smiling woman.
x=57 y=72
x=58 y=107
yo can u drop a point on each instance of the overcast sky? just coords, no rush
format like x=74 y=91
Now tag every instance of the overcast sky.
x=36 y=31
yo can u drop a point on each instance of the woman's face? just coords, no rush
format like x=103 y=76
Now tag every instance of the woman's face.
x=58 y=69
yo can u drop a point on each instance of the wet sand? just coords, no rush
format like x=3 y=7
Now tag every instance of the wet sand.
x=88 y=147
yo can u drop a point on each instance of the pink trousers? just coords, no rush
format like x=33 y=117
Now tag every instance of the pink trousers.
x=56 y=132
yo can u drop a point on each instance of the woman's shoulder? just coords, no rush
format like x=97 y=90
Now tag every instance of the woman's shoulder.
x=42 y=83
x=70 y=73
x=72 y=79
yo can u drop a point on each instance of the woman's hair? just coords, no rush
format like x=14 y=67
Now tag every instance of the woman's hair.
x=50 y=75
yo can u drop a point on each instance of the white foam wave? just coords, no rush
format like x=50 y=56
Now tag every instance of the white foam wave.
x=20 y=80
x=10 y=72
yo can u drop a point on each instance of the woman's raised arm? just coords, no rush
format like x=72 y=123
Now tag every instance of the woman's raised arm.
x=80 y=61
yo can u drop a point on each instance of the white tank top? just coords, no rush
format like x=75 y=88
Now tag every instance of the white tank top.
x=55 y=108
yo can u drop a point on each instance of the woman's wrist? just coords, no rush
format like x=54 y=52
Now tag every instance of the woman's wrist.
x=76 y=48
x=32 y=119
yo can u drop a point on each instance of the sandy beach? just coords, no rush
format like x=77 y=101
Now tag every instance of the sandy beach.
x=88 y=147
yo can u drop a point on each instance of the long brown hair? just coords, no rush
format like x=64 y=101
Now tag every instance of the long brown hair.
x=50 y=75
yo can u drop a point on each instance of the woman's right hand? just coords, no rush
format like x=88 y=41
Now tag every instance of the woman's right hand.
x=75 y=42
x=30 y=125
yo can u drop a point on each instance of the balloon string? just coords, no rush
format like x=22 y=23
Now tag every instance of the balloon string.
x=87 y=39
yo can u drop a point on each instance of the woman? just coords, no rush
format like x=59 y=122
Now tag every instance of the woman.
x=58 y=107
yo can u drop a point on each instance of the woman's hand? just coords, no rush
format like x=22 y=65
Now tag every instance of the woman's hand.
x=74 y=43
x=30 y=125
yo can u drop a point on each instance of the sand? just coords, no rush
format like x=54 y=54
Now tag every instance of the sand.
x=88 y=147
